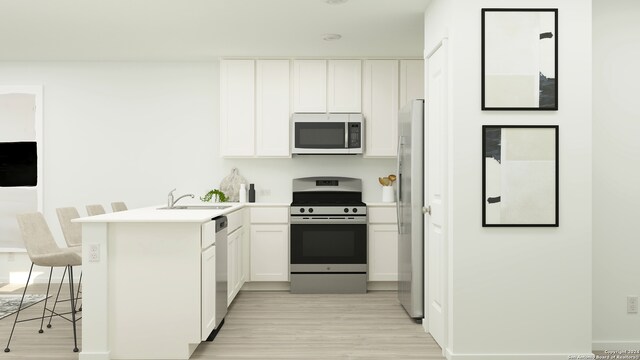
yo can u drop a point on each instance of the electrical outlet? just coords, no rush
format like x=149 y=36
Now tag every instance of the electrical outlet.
x=94 y=252
x=265 y=192
x=632 y=304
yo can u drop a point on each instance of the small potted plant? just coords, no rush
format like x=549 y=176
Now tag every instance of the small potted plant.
x=215 y=193
x=387 y=187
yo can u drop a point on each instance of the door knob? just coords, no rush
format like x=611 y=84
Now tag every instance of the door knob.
x=426 y=210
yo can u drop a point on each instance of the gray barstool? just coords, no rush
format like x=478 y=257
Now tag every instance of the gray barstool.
x=118 y=206
x=43 y=251
x=95 y=209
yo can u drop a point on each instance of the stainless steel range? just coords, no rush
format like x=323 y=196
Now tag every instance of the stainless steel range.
x=328 y=236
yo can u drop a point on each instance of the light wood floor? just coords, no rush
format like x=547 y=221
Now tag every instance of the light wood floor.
x=269 y=325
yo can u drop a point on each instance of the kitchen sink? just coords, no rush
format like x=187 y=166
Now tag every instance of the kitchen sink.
x=196 y=207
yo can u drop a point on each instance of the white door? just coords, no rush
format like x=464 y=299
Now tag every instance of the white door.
x=436 y=191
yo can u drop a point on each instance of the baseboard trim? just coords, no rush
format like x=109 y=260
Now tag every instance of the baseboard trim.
x=451 y=356
x=382 y=285
x=94 y=355
x=615 y=345
x=266 y=286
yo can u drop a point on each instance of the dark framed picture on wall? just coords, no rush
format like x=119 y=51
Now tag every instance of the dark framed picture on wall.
x=520 y=175
x=519 y=59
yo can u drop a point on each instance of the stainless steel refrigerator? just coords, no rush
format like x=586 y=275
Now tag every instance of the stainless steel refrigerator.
x=409 y=201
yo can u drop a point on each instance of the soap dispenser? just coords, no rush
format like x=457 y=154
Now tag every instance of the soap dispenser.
x=243 y=193
x=252 y=193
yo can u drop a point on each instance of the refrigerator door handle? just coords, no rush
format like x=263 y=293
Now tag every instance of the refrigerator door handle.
x=399 y=187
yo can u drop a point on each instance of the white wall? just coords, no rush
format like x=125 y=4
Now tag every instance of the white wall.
x=133 y=131
x=616 y=175
x=519 y=292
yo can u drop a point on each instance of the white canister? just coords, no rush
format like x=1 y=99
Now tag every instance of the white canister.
x=243 y=193
x=387 y=194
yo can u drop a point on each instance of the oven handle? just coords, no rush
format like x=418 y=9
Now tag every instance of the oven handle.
x=357 y=221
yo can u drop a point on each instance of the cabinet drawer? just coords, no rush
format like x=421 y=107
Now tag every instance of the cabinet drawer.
x=235 y=219
x=270 y=215
x=382 y=215
x=208 y=234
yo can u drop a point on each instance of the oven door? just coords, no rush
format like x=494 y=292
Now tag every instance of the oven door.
x=328 y=247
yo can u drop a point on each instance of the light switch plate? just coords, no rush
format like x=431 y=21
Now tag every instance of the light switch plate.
x=632 y=304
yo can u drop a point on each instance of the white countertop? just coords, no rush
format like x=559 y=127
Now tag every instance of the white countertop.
x=153 y=214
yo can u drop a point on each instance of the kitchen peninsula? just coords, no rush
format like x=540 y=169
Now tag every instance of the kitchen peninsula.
x=142 y=296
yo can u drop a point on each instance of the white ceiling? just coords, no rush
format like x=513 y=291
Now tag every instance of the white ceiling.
x=201 y=30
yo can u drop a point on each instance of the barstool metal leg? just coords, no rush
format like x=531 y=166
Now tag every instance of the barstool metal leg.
x=46 y=298
x=19 y=307
x=73 y=309
x=57 y=295
x=78 y=292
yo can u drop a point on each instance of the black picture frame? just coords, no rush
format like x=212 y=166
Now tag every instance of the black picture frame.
x=511 y=73
x=520 y=176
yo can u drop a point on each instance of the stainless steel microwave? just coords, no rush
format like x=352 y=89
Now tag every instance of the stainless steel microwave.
x=327 y=134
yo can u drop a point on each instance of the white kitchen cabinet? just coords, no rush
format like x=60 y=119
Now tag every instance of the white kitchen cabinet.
x=383 y=243
x=344 y=86
x=237 y=108
x=383 y=252
x=309 y=86
x=411 y=81
x=208 y=311
x=269 y=252
x=272 y=108
x=380 y=107
x=269 y=243
x=235 y=278
x=235 y=253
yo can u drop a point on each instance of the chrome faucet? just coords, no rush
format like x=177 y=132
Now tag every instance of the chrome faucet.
x=171 y=202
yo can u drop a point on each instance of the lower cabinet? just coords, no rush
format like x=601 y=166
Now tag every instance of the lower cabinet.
x=269 y=243
x=269 y=252
x=383 y=252
x=208 y=311
x=235 y=261
x=383 y=242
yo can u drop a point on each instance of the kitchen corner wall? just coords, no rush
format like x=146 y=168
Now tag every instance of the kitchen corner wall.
x=130 y=131
x=616 y=175
x=518 y=293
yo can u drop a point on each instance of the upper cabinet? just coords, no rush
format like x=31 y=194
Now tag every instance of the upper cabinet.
x=344 y=85
x=321 y=86
x=309 y=86
x=380 y=107
x=237 y=111
x=254 y=108
x=272 y=108
x=411 y=80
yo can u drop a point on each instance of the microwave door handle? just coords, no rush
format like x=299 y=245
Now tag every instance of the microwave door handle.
x=346 y=135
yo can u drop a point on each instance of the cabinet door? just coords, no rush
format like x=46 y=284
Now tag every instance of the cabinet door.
x=345 y=86
x=272 y=108
x=233 y=264
x=380 y=107
x=309 y=86
x=208 y=286
x=239 y=263
x=237 y=99
x=411 y=80
x=383 y=253
x=269 y=252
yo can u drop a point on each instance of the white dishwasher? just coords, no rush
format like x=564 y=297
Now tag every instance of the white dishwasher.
x=214 y=276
